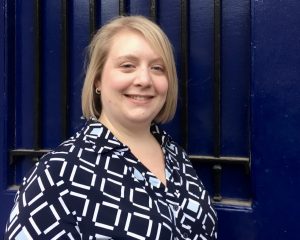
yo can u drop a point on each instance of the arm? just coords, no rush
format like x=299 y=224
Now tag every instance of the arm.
x=40 y=210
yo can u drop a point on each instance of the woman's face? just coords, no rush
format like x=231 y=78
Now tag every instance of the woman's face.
x=134 y=81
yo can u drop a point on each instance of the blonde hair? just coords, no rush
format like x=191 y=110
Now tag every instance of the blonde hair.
x=98 y=51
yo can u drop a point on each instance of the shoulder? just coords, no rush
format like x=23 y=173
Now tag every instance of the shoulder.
x=80 y=149
x=180 y=159
x=177 y=155
x=53 y=176
x=58 y=164
x=43 y=195
x=165 y=139
x=170 y=146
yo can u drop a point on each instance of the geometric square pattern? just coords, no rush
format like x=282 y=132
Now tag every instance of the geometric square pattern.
x=140 y=199
x=138 y=225
x=82 y=177
x=112 y=189
x=112 y=212
x=92 y=187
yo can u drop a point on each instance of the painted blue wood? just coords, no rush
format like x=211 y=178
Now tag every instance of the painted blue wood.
x=24 y=76
x=260 y=52
x=51 y=73
x=3 y=104
x=79 y=39
x=275 y=114
x=109 y=9
x=167 y=10
x=6 y=133
x=235 y=80
x=3 y=95
x=200 y=85
x=236 y=69
x=23 y=84
x=138 y=7
x=275 y=120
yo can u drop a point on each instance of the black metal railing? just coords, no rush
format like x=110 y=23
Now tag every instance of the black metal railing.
x=37 y=76
x=65 y=69
x=217 y=168
x=123 y=7
x=153 y=10
x=93 y=17
x=216 y=161
x=184 y=76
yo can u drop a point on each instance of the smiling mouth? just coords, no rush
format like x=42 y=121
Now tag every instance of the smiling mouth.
x=138 y=97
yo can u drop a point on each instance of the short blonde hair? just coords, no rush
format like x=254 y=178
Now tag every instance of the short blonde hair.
x=98 y=51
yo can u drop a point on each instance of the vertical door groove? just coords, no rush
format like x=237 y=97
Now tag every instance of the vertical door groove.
x=65 y=69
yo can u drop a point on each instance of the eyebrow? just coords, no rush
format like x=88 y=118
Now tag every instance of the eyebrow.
x=128 y=57
x=135 y=58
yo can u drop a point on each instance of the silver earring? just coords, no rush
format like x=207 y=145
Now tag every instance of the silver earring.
x=97 y=90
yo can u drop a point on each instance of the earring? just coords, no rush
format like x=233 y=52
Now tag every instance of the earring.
x=97 y=90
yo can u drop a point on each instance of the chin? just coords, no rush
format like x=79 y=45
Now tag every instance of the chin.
x=141 y=119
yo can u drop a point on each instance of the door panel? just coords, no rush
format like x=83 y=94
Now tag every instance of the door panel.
x=275 y=117
x=49 y=40
x=245 y=108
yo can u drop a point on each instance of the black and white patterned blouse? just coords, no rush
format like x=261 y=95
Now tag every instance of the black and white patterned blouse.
x=92 y=187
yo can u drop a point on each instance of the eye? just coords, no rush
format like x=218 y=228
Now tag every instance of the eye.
x=158 y=68
x=127 y=67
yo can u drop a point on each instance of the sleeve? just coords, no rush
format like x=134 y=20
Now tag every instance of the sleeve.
x=40 y=210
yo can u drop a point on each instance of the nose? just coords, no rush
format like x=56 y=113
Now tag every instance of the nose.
x=143 y=77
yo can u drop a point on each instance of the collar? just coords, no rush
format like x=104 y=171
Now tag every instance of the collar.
x=104 y=141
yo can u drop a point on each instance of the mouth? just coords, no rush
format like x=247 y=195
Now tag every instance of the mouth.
x=139 y=97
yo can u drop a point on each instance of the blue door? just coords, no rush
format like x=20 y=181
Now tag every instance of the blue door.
x=239 y=107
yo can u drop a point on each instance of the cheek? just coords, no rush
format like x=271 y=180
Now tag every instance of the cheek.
x=162 y=87
x=119 y=85
x=115 y=83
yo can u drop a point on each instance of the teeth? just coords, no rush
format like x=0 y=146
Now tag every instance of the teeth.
x=138 y=97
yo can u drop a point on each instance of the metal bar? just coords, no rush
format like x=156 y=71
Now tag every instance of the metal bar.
x=93 y=17
x=122 y=7
x=217 y=173
x=37 y=76
x=35 y=154
x=225 y=160
x=153 y=10
x=217 y=78
x=184 y=70
x=234 y=204
x=28 y=152
x=65 y=69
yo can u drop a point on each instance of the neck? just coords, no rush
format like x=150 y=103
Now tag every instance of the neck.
x=129 y=132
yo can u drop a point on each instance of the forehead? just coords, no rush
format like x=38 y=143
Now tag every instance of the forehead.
x=132 y=42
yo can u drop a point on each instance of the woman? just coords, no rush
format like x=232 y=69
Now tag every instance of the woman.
x=121 y=176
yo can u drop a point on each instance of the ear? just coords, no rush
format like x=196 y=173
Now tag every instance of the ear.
x=97 y=84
